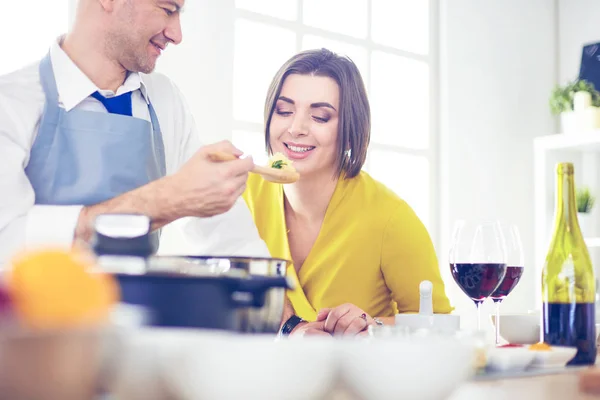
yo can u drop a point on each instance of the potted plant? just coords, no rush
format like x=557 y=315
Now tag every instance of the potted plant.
x=585 y=202
x=578 y=104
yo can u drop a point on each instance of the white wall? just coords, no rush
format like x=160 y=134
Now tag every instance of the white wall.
x=497 y=68
x=202 y=65
x=578 y=25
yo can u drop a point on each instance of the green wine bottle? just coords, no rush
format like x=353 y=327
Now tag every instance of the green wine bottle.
x=568 y=281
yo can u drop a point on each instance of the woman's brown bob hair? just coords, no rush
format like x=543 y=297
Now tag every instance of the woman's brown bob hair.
x=354 y=126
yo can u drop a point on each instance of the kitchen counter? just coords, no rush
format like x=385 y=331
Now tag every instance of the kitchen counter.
x=545 y=387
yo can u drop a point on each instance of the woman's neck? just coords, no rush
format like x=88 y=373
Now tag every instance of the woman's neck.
x=309 y=198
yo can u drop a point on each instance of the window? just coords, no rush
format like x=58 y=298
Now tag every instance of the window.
x=389 y=40
x=254 y=66
x=28 y=34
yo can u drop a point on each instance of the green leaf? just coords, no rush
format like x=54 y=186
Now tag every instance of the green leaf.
x=585 y=200
x=279 y=164
x=561 y=98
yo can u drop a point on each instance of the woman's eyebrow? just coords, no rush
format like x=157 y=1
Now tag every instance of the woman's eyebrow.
x=313 y=105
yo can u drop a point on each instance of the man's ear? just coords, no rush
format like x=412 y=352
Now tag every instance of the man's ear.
x=107 y=5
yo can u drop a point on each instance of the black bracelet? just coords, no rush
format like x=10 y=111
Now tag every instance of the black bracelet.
x=290 y=324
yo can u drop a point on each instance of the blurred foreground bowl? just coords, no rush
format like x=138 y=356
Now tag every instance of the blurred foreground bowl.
x=53 y=364
x=216 y=366
x=424 y=368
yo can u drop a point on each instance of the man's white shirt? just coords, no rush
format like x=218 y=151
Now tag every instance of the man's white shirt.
x=24 y=224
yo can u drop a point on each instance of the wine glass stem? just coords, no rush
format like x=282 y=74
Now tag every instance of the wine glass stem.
x=477 y=304
x=497 y=323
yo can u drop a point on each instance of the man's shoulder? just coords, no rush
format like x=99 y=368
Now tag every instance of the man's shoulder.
x=21 y=99
x=21 y=84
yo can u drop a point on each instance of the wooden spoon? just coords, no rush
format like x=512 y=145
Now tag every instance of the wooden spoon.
x=270 y=174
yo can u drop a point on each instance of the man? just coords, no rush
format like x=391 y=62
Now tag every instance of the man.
x=91 y=130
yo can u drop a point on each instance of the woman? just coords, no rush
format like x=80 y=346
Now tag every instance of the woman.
x=359 y=252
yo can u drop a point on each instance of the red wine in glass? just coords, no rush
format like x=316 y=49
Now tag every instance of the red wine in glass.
x=477 y=259
x=512 y=277
x=478 y=280
x=514 y=270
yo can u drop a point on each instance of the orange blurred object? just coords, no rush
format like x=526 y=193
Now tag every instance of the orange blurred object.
x=55 y=289
x=540 y=346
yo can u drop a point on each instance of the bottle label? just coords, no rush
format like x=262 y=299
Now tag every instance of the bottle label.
x=569 y=285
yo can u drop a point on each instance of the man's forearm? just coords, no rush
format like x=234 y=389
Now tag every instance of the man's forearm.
x=155 y=200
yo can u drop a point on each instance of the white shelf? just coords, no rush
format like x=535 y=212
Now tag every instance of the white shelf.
x=583 y=150
x=592 y=242
x=584 y=141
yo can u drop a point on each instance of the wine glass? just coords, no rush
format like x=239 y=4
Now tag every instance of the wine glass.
x=478 y=259
x=514 y=270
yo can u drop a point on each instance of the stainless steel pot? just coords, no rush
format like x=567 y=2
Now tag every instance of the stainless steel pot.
x=124 y=241
x=202 y=292
x=265 y=319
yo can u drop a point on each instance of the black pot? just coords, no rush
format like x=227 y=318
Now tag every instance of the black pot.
x=192 y=296
x=194 y=292
x=263 y=319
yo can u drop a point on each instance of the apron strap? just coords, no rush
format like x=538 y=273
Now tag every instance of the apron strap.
x=48 y=82
x=157 y=141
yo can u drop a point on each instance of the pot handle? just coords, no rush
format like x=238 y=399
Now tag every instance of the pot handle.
x=250 y=292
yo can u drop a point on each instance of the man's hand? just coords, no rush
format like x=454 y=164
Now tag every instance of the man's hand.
x=201 y=188
x=204 y=188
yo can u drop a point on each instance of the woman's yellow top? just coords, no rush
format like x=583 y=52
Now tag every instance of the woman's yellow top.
x=372 y=250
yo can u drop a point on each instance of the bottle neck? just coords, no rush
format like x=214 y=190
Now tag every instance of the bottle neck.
x=566 y=207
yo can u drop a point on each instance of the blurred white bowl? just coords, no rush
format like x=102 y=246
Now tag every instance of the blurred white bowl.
x=424 y=368
x=557 y=356
x=215 y=366
x=519 y=328
x=509 y=359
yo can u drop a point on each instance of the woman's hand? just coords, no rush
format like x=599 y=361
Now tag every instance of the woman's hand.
x=310 y=329
x=347 y=320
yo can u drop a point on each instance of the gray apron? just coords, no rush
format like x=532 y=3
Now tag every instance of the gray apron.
x=84 y=157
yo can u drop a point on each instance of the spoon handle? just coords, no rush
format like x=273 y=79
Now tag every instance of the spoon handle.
x=268 y=173
x=221 y=156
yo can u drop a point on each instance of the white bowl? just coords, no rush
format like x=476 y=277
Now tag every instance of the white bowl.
x=509 y=358
x=519 y=328
x=211 y=366
x=557 y=356
x=424 y=368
